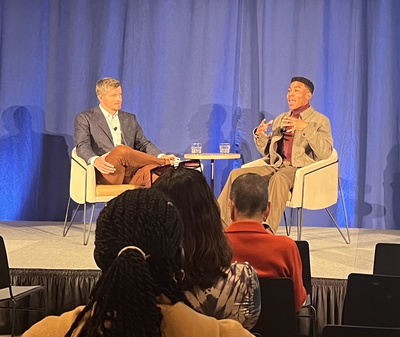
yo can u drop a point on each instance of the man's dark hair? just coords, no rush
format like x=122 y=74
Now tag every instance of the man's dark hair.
x=249 y=192
x=305 y=81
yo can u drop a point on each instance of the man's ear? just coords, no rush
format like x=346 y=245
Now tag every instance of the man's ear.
x=266 y=213
x=232 y=209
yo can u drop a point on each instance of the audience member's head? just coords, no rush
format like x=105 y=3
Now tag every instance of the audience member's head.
x=207 y=250
x=138 y=248
x=249 y=197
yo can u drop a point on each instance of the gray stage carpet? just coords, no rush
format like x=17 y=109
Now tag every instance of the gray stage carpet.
x=41 y=245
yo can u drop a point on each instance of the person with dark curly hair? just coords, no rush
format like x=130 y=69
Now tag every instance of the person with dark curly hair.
x=213 y=285
x=138 y=247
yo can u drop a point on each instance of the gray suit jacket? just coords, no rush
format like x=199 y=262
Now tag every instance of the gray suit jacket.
x=93 y=136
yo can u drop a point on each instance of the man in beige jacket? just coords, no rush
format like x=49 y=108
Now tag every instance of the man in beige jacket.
x=298 y=138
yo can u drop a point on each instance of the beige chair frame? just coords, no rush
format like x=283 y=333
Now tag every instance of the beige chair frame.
x=316 y=186
x=84 y=190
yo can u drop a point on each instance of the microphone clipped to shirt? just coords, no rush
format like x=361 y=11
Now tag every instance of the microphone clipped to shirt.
x=115 y=128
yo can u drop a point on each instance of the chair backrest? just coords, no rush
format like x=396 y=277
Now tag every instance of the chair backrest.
x=304 y=251
x=372 y=300
x=78 y=179
x=316 y=185
x=278 y=315
x=358 y=331
x=387 y=259
x=5 y=280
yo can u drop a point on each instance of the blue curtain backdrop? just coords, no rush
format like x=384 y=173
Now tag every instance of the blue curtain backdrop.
x=199 y=70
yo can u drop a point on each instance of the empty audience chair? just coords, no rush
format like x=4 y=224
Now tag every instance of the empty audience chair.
x=304 y=251
x=278 y=315
x=387 y=259
x=372 y=300
x=358 y=331
x=10 y=296
x=84 y=190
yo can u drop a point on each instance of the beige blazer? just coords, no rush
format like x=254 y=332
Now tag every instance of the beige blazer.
x=309 y=145
x=178 y=321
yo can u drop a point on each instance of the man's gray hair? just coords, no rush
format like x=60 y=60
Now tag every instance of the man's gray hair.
x=249 y=192
x=103 y=84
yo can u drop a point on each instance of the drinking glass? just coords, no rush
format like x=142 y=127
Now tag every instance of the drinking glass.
x=196 y=148
x=224 y=148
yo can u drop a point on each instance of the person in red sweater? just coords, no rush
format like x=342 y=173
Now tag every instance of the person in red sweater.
x=270 y=255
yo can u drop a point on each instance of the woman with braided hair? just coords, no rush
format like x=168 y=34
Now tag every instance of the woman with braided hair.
x=213 y=285
x=139 y=294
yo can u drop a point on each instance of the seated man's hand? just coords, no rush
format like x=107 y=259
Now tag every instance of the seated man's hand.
x=169 y=157
x=294 y=124
x=263 y=127
x=103 y=166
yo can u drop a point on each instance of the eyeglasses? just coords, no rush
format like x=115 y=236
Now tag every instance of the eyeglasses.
x=193 y=164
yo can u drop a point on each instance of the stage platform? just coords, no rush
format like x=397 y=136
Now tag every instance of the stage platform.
x=40 y=245
x=39 y=254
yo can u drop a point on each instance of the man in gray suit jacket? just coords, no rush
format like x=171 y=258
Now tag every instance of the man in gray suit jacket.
x=113 y=141
x=299 y=137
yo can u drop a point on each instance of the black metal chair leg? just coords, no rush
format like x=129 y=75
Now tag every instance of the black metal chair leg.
x=14 y=312
x=67 y=227
x=288 y=228
x=299 y=222
x=86 y=233
x=286 y=225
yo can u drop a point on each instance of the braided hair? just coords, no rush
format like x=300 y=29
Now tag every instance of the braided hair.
x=123 y=302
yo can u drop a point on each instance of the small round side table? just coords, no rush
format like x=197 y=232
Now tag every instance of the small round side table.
x=212 y=157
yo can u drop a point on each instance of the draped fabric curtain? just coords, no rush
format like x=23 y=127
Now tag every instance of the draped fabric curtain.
x=199 y=71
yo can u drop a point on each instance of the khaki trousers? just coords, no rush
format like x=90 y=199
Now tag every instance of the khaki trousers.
x=280 y=183
x=131 y=167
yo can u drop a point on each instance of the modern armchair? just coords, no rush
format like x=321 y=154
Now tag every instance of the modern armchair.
x=84 y=190
x=316 y=186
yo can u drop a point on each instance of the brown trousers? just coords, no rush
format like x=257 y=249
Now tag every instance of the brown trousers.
x=131 y=167
x=280 y=183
